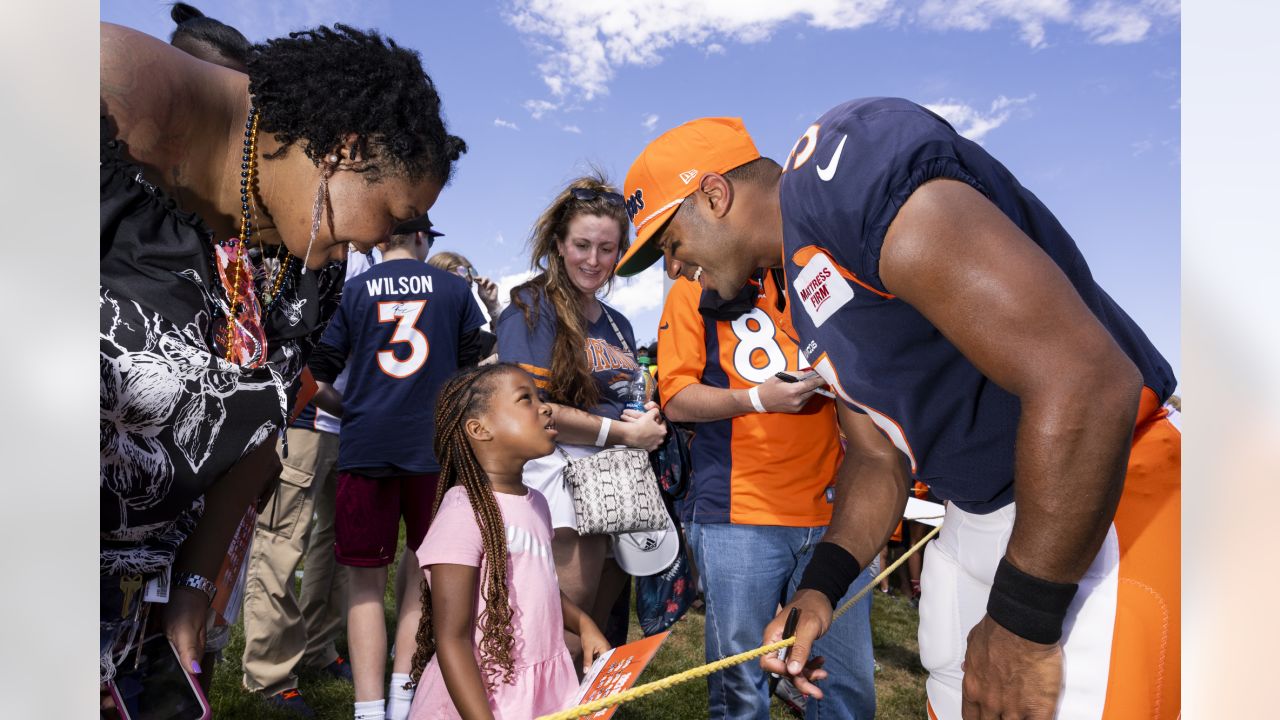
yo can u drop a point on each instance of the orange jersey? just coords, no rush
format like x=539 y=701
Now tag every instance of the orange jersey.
x=760 y=468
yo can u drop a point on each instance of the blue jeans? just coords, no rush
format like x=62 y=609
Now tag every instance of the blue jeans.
x=746 y=571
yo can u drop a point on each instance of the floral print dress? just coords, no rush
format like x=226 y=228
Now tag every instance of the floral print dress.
x=175 y=415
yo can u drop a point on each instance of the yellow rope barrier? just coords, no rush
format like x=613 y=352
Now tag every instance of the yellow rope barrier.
x=704 y=670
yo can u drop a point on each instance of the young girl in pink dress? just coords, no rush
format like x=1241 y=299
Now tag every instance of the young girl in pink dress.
x=493 y=616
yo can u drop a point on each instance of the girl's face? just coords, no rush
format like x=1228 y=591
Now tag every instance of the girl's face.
x=521 y=423
x=590 y=251
x=363 y=213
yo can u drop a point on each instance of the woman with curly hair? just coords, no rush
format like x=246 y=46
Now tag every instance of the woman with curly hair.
x=580 y=353
x=493 y=614
x=228 y=202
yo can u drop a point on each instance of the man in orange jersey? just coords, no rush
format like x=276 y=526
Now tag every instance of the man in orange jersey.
x=764 y=457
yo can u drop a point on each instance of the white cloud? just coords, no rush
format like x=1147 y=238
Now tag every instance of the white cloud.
x=632 y=296
x=1108 y=23
x=500 y=240
x=1030 y=16
x=572 y=129
x=507 y=282
x=649 y=122
x=1141 y=147
x=1167 y=8
x=538 y=108
x=974 y=123
x=499 y=122
x=583 y=43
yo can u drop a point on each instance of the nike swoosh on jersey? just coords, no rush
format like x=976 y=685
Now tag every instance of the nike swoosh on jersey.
x=828 y=172
x=664 y=326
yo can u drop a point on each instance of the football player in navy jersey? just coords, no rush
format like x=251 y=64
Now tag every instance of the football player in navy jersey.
x=961 y=327
x=403 y=328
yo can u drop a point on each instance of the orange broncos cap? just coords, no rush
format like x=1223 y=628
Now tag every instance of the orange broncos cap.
x=669 y=170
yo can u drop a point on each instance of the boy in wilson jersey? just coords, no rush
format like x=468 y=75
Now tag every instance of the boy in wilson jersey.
x=764 y=455
x=972 y=349
x=403 y=328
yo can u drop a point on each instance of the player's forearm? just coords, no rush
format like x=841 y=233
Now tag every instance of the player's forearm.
x=871 y=493
x=703 y=403
x=1072 y=450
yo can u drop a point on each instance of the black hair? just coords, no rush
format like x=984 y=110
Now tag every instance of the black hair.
x=316 y=86
x=754 y=171
x=209 y=39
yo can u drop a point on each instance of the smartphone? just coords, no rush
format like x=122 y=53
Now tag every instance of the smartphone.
x=158 y=688
x=784 y=376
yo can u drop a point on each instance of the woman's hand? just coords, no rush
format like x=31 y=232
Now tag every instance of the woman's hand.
x=642 y=430
x=185 y=616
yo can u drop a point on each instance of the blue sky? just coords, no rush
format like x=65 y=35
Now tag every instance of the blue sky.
x=1081 y=100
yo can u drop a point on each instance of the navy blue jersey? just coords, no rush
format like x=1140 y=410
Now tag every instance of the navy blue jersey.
x=398 y=325
x=612 y=367
x=843 y=185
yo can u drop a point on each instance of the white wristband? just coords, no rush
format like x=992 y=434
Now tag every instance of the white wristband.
x=605 y=424
x=754 y=394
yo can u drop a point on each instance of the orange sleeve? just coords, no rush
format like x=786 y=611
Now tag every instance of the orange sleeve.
x=682 y=345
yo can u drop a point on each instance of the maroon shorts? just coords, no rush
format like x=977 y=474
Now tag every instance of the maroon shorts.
x=368 y=511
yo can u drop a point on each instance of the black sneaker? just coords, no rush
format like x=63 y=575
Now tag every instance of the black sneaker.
x=340 y=669
x=292 y=701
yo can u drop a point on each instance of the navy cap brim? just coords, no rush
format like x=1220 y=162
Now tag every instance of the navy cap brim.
x=418 y=224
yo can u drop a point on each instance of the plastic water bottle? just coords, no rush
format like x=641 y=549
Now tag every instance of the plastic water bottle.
x=638 y=390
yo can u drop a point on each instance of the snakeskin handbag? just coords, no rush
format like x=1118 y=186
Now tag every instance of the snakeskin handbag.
x=614 y=491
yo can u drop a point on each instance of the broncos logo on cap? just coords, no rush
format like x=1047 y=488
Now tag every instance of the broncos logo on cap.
x=635 y=204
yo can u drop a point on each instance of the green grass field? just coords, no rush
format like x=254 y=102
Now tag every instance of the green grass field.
x=899 y=681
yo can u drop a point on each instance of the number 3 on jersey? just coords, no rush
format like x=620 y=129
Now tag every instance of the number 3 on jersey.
x=755 y=331
x=405 y=315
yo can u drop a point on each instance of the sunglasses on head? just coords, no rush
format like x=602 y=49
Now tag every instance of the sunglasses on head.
x=612 y=198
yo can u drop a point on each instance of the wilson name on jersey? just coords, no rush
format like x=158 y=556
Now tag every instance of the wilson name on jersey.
x=399 y=326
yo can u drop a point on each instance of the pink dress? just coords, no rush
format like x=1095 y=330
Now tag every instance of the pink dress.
x=544 y=679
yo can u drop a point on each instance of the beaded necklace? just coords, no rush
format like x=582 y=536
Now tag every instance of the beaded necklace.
x=248 y=172
x=243 y=338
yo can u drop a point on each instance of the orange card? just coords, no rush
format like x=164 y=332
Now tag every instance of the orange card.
x=615 y=671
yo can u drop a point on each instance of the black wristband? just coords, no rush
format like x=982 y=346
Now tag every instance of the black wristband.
x=830 y=571
x=1028 y=606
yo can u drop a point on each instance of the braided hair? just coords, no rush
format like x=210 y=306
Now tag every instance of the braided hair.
x=464 y=396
